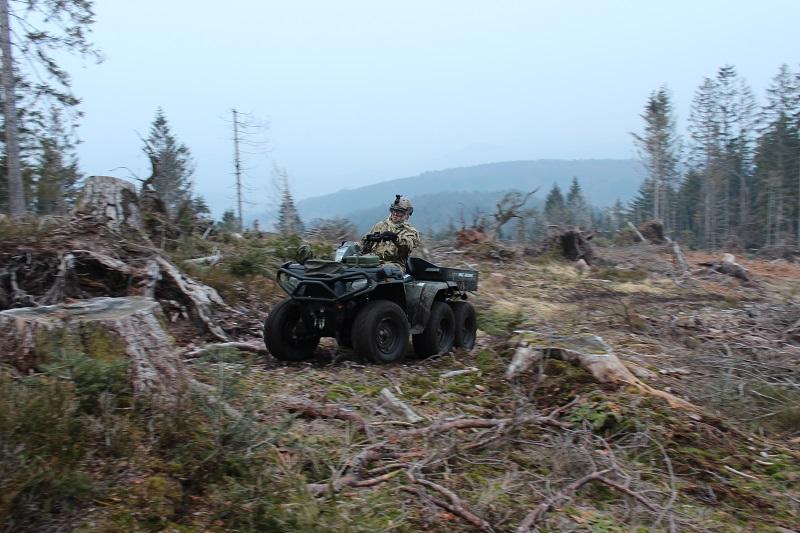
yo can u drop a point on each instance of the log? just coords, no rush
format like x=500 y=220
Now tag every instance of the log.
x=108 y=329
x=589 y=352
x=637 y=232
x=112 y=198
x=395 y=404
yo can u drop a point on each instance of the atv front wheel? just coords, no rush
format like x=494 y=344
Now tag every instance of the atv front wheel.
x=380 y=332
x=466 y=324
x=439 y=333
x=285 y=334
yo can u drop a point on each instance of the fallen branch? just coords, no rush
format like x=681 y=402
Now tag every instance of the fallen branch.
x=330 y=410
x=242 y=346
x=355 y=472
x=393 y=402
x=569 y=492
x=209 y=260
x=638 y=233
x=456 y=505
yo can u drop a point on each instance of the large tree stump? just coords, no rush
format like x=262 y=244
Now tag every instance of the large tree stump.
x=104 y=328
x=113 y=198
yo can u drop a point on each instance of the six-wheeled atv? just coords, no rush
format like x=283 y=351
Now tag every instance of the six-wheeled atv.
x=371 y=307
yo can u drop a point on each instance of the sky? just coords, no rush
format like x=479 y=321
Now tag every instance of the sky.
x=357 y=92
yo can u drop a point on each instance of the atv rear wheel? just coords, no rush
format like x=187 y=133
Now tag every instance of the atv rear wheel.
x=466 y=324
x=285 y=334
x=439 y=333
x=380 y=332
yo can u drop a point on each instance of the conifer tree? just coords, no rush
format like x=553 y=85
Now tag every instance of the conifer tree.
x=777 y=173
x=578 y=210
x=55 y=172
x=289 y=222
x=555 y=208
x=172 y=167
x=721 y=127
x=658 y=148
x=35 y=33
x=229 y=222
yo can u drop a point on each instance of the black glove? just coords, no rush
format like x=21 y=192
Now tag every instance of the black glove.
x=372 y=237
x=389 y=236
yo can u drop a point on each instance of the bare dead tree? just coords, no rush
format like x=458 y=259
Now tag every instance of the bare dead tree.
x=509 y=208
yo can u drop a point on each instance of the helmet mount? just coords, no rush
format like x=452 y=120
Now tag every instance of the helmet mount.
x=401 y=204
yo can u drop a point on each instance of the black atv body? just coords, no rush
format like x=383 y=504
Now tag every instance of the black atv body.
x=371 y=307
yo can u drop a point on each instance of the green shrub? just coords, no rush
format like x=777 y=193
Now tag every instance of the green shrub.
x=42 y=445
x=91 y=378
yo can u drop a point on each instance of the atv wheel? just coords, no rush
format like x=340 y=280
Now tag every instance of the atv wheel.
x=380 y=332
x=285 y=333
x=439 y=333
x=466 y=324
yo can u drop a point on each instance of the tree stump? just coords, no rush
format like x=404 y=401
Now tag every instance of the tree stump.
x=104 y=328
x=113 y=198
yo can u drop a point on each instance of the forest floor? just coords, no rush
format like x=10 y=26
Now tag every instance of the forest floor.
x=316 y=449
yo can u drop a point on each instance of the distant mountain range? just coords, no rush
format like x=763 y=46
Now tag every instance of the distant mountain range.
x=444 y=195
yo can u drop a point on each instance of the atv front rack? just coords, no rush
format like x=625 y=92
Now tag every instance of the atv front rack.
x=328 y=288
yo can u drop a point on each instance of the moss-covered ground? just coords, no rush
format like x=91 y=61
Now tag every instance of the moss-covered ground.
x=78 y=452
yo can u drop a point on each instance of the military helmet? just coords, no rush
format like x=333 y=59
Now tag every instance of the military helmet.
x=402 y=204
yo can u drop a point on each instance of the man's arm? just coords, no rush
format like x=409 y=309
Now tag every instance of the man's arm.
x=407 y=240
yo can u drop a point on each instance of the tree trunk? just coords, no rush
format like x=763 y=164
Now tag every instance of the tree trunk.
x=103 y=328
x=16 y=196
x=113 y=198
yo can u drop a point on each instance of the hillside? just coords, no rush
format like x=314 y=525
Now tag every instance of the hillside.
x=603 y=181
x=271 y=446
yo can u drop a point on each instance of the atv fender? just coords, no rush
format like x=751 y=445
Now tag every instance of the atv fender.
x=420 y=296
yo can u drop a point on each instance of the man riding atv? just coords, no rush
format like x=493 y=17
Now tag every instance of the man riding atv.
x=372 y=298
x=393 y=238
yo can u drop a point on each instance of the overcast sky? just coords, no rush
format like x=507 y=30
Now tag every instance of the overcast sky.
x=363 y=91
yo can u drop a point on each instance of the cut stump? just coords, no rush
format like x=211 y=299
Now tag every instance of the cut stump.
x=103 y=328
x=113 y=198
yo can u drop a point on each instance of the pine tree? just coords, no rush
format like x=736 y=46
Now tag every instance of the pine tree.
x=642 y=206
x=689 y=213
x=659 y=149
x=172 y=167
x=55 y=173
x=229 y=222
x=721 y=126
x=289 y=222
x=578 y=210
x=617 y=216
x=45 y=27
x=777 y=174
x=555 y=208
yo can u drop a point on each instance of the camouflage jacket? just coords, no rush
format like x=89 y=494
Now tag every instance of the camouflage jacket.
x=407 y=240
